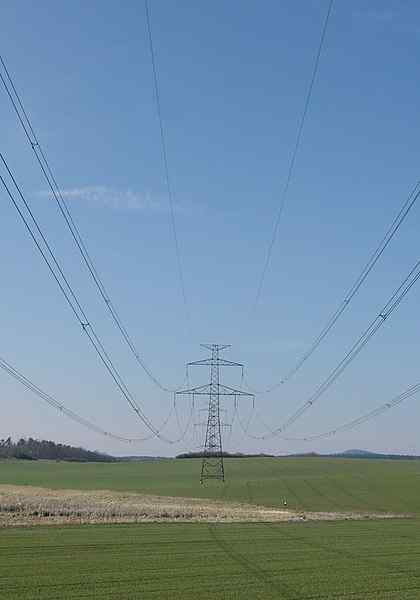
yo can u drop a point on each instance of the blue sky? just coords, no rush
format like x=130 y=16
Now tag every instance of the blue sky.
x=233 y=78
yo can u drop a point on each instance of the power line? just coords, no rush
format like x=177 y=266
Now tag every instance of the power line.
x=293 y=157
x=372 y=414
x=392 y=304
x=245 y=427
x=52 y=401
x=190 y=421
x=165 y=162
x=48 y=174
x=73 y=302
x=66 y=288
x=347 y=426
x=354 y=288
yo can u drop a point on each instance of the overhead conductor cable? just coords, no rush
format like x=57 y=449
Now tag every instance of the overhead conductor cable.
x=354 y=288
x=293 y=158
x=71 y=414
x=392 y=304
x=368 y=416
x=166 y=163
x=74 y=303
x=48 y=174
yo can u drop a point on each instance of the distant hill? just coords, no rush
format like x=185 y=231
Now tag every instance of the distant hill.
x=359 y=454
x=366 y=454
x=31 y=449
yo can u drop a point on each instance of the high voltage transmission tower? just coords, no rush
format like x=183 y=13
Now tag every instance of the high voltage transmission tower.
x=212 y=464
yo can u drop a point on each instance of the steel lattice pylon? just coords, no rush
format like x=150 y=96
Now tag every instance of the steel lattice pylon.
x=212 y=466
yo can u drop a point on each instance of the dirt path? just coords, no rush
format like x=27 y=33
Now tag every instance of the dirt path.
x=26 y=505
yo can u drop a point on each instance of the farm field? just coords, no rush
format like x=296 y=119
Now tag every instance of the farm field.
x=310 y=484
x=305 y=561
x=366 y=559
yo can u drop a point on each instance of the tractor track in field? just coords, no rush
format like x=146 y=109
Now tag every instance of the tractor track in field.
x=353 y=557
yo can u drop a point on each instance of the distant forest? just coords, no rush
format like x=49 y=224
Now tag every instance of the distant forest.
x=31 y=449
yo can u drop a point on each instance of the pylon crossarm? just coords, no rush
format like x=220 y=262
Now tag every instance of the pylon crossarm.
x=217 y=347
x=228 y=363
x=201 y=389
x=206 y=362
x=200 y=363
x=223 y=390
x=230 y=391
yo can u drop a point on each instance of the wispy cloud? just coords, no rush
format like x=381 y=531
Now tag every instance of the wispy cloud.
x=102 y=196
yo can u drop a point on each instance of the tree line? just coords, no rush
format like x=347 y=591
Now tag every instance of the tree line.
x=32 y=449
x=202 y=454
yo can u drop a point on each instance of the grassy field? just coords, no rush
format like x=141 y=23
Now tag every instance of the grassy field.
x=325 y=561
x=307 y=484
x=351 y=560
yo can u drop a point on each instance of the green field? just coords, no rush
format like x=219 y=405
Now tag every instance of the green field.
x=352 y=560
x=307 y=484
x=292 y=561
